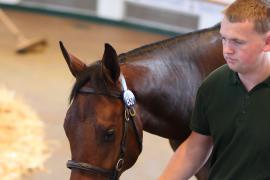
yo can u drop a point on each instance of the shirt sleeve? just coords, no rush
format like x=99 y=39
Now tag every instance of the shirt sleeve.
x=199 y=121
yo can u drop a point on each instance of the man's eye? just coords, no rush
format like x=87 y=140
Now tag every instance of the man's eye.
x=239 y=42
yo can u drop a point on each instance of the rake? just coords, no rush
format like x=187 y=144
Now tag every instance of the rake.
x=23 y=44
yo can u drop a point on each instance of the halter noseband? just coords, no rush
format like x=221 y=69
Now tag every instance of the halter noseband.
x=129 y=101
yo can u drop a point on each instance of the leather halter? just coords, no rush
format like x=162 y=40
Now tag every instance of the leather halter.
x=129 y=115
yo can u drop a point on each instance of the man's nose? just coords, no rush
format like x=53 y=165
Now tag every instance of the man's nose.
x=227 y=47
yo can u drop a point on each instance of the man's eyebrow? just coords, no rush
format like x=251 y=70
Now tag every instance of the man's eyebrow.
x=231 y=39
x=236 y=39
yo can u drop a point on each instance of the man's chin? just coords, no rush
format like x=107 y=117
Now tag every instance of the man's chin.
x=233 y=67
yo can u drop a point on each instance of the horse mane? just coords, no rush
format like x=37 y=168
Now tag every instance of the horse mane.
x=164 y=43
x=93 y=71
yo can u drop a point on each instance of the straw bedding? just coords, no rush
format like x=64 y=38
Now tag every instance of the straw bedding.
x=22 y=146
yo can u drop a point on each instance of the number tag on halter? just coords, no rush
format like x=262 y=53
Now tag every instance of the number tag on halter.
x=129 y=98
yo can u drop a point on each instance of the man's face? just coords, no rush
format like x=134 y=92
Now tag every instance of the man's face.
x=242 y=46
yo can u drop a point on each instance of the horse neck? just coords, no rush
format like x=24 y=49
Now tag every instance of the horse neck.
x=165 y=84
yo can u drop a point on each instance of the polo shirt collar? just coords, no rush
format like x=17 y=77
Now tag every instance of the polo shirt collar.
x=267 y=81
x=234 y=79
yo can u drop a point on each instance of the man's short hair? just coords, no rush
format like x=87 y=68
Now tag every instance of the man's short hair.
x=256 y=11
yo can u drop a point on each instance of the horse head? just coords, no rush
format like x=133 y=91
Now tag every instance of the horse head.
x=105 y=138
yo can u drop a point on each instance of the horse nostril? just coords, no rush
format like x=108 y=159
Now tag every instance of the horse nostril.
x=109 y=135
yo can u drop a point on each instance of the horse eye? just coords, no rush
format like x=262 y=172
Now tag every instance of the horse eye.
x=109 y=135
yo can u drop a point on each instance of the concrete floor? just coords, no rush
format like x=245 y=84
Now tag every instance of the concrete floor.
x=43 y=80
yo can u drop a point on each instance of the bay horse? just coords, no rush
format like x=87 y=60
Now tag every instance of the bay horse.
x=151 y=88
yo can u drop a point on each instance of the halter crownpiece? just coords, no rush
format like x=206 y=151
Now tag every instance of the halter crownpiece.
x=128 y=96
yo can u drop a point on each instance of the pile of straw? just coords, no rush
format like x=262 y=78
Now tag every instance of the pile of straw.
x=22 y=146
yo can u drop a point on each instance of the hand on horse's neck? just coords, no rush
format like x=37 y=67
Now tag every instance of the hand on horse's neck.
x=250 y=80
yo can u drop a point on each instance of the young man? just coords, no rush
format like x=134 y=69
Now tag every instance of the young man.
x=231 y=117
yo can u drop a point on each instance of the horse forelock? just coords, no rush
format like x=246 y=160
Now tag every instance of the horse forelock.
x=92 y=74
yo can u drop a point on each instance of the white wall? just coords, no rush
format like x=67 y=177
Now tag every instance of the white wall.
x=10 y=1
x=112 y=9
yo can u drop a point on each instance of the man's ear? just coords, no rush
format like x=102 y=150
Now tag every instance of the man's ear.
x=267 y=42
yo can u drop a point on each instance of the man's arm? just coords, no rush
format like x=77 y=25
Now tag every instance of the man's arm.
x=189 y=157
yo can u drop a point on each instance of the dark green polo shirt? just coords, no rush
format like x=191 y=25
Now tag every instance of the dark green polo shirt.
x=239 y=122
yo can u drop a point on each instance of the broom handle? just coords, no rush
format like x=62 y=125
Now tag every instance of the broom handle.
x=10 y=25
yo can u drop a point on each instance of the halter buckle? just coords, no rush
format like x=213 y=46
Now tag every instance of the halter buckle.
x=126 y=114
x=119 y=164
x=132 y=112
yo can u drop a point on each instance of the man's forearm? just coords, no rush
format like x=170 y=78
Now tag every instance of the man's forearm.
x=188 y=158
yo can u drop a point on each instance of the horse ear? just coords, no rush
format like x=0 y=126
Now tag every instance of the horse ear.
x=110 y=65
x=76 y=66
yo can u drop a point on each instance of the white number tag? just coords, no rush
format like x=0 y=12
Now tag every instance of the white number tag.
x=129 y=98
